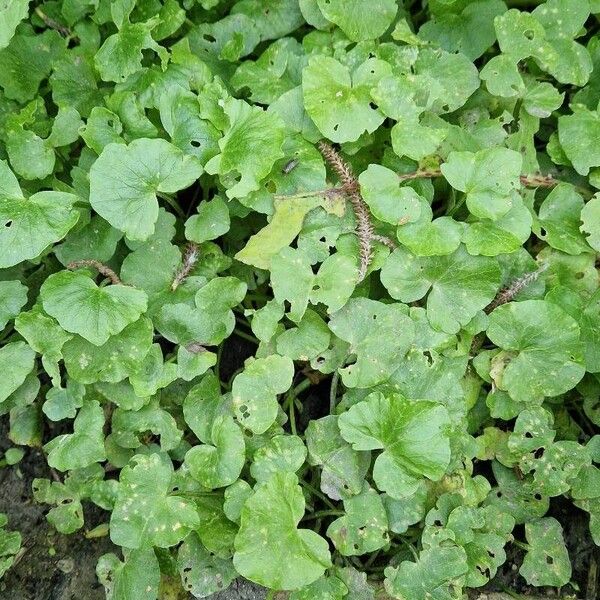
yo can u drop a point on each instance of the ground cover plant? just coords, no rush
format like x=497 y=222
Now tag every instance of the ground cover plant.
x=385 y=212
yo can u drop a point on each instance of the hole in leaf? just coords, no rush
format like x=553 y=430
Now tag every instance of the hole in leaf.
x=529 y=34
x=549 y=560
x=209 y=38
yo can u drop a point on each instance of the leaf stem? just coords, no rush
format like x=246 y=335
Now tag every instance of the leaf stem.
x=333 y=391
x=315 y=492
x=49 y=22
x=521 y=545
x=245 y=336
x=172 y=203
x=323 y=513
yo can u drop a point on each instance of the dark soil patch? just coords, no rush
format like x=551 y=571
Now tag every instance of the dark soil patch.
x=52 y=566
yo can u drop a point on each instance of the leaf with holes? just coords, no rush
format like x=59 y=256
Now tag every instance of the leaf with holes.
x=256 y=388
x=547 y=560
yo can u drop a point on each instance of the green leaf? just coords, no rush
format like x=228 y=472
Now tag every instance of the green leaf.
x=74 y=84
x=515 y=496
x=12 y=12
x=281 y=454
x=96 y=240
x=342 y=468
x=32 y=224
x=412 y=434
x=138 y=577
x=269 y=549
x=338 y=101
x=251 y=145
x=27 y=61
x=13 y=296
x=459 y=285
x=93 y=312
x=16 y=362
x=547 y=560
x=559 y=220
x=193 y=364
x=10 y=543
x=202 y=405
x=590 y=219
x=121 y=54
x=306 y=341
x=365 y=324
x=203 y=573
x=502 y=236
x=255 y=389
x=404 y=512
x=578 y=136
x=235 y=497
x=559 y=464
x=364 y=527
x=388 y=201
x=326 y=588
x=334 y=282
x=62 y=403
x=276 y=71
x=211 y=222
x=489 y=179
x=469 y=32
x=221 y=463
x=358 y=19
x=45 y=336
x=84 y=446
x=435 y=571
x=145 y=512
x=129 y=426
x=211 y=321
x=542 y=355
x=430 y=237
x=273 y=18
x=118 y=358
x=124 y=182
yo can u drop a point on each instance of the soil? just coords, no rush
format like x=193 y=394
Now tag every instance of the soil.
x=52 y=566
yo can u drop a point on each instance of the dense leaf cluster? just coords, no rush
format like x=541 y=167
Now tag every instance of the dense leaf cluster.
x=390 y=205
